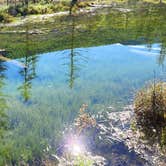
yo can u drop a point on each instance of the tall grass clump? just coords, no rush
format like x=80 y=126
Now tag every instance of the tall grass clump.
x=5 y=18
x=150 y=111
x=150 y=104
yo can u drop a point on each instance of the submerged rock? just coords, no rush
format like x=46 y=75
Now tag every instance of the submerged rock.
x=115 y=142
x=117 y=136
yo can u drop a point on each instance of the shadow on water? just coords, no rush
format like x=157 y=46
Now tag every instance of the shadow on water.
x=119 y=155
x=155 y=133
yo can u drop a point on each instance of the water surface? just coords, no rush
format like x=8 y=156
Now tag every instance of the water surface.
x=99 y=60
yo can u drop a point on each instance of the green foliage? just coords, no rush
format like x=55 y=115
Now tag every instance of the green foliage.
x=4 y=9
x=6 y=18
x=84 y=4
x=5 y=148
x=27 y=148
x=46 y=9
x=29 y=137
x=38 y=8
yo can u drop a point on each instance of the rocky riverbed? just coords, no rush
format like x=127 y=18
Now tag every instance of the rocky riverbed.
x=114 y=141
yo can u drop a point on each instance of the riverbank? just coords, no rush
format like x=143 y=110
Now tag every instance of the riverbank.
x=82 y=8
x=13 y=12
x=45 y=17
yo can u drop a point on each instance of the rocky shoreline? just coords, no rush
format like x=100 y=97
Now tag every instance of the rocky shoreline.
x=114 y=141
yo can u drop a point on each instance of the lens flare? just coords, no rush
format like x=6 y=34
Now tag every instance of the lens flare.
x=76 y=150
x=75 y=146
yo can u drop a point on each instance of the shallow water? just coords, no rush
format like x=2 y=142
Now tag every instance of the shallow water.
x=104 y=75
x=102 y=65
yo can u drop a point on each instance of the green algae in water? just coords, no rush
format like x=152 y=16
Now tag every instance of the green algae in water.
x=46 y=96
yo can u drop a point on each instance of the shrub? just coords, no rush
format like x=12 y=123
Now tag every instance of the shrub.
x=39 y=9
x=6 y=18
x=83 y=4
x=3 y=9
x=150 y=110
x=18 y=9
x=84 y=120
x=150 y=104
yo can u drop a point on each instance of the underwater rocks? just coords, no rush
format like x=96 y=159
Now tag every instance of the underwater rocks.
x=119 y=142
x=113 y=141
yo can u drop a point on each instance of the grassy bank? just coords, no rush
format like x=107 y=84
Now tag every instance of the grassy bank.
x=10 y=11
x=56 y=33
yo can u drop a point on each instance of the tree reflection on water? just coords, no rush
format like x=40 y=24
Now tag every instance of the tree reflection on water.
x=3 y=104
x=29 y=72
x=75 y=57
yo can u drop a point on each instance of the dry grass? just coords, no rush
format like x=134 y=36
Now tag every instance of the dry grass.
x=150 y=103
x=150 y=110
x=84 y=120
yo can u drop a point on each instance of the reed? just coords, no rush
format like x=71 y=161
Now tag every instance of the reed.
x=150 y=104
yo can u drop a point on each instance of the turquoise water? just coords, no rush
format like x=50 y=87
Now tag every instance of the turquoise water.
x=101 y=77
